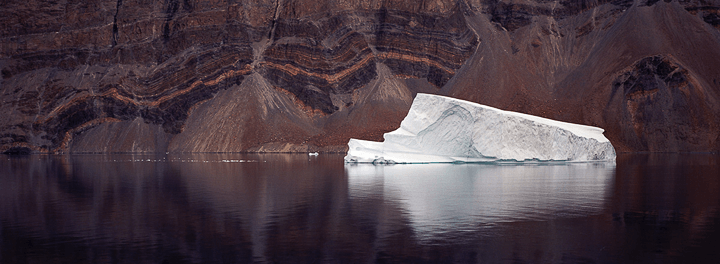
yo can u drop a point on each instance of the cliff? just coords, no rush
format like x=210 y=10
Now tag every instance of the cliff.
x=290 y=75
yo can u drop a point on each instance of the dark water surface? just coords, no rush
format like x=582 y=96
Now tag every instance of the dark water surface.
x=295 y=208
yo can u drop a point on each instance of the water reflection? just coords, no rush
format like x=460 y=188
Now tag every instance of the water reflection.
x=444 y=199
x=241 y=208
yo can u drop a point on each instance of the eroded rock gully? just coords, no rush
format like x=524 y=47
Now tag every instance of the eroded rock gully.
x=290 y=75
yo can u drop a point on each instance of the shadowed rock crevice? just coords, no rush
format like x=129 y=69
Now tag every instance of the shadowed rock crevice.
x=273 y=23
x=171 y=8
x=114 y=25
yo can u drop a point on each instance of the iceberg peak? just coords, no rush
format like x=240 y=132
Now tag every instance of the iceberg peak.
x=444 y=129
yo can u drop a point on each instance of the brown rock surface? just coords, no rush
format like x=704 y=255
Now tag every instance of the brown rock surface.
x=292 y=75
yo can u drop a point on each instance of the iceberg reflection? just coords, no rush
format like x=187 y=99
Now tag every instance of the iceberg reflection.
x=449 y=198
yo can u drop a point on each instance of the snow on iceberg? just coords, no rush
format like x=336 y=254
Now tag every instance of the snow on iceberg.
x=444 y=129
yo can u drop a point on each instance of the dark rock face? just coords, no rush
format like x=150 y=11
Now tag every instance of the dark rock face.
x=639 y=69
x=337 y=55
x=513 y=15
x=710 y=14
x=661 y=107
x=292 y=75
x=157 y=61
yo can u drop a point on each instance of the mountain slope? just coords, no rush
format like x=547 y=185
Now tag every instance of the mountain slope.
x=219 y=76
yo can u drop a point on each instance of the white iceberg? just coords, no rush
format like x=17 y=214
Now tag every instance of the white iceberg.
x=444 y=129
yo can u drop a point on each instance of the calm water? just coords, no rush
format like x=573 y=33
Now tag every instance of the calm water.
x=238 y=208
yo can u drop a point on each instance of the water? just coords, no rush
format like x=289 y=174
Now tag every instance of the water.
x=295 y=208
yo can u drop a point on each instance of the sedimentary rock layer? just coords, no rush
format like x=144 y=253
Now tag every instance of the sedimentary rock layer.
x=293 y=75
x=159 y=63
x=337 y=55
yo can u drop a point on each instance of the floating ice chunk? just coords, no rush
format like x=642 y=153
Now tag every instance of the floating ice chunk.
x=443 y=129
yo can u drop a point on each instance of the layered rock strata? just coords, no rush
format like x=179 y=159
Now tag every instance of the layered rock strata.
x=291 y=75
x=152 y=68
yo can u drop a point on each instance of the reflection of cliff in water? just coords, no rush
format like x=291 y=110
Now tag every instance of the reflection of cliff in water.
x=296 y=208
x=186 y=208
x=673 y=200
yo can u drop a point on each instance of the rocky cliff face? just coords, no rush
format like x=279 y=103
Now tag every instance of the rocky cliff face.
x=291 y=75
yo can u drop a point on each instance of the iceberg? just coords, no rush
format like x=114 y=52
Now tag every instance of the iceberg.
x=448 y=130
